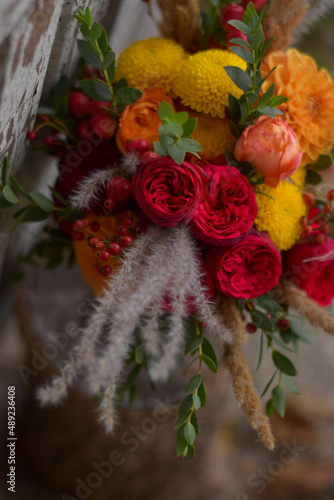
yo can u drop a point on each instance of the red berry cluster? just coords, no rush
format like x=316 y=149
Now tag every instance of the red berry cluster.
x=317 y=222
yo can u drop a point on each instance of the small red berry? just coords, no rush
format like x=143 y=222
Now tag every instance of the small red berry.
x=78 y=104
x=78 y=236
x=114 y=248
x=94 y=226
x=104 y=125
x=100 y=245
x=104 y=255
x=96 y=107
x=106 y=270
x=230 y=12
x=109 y=204
x=48 y=141
x=327 y=208
x=325 y=229
x=92 y=242
x=118 y=189
x=307 y=230
x=303 y=221
x=128 y=221
x=126 y=241
x=283 y=324
x=320 y=238
x=79 y=225
x=330 y=195
x=309 y=199
x=251 y=328
x=148 y=157
x=31 y=136
x=139 y=146
x=121 y=230
x=234 y=33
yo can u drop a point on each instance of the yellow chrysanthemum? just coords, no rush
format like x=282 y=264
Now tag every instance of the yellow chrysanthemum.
x=280 y=217
x=149 y=63
x=310 y=109
x=213 y=134
x=299 y=177
x=203 y=84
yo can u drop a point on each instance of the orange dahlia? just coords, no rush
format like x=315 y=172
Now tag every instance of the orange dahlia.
x=310 y=109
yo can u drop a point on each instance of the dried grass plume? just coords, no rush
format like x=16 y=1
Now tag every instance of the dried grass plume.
x=180 y=21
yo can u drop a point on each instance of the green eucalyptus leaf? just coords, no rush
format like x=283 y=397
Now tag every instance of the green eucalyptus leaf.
x=5 y=204
x=270 y=406
x=243 y=53
x=239 y=77
x=271 y=112
x=257 y=40
x=159 y=149
x=103 y=41
x=284 y=364
x=181 y=446
x=268 y=385
x=165 y=141
x=96 y=31
x=194 y=344
x=201 y=392
x=111 y=71
x=240 y=42
x=322 y=163
x=277 y=100
x=267 y=95
x=269 y=304
x=197 y=401
x=290 y=384
x=262 y=321
x=209 y=363
x=140 y=353
x=189 y=127
x=301 y=332
x=128 y=95
x=279 y=400
x=260 y=353
x=165 y=110
x=244 y=28
x=180 y=118
x=88 y=53
x=108 y=59
x=189 y=144
x=186 y=405
x=189 y=433
x=209 y=351
x=42 y=201
x=182 y=420
x=190 y=451
x=234 y=108
x=312 y=177
x=9 y=195
x=176 y=153
x=95 y=90
x=120 y=85
x=194 y=383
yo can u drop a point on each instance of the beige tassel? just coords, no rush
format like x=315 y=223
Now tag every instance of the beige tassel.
x=180 y=21
x=237 y=364
x=287 y=292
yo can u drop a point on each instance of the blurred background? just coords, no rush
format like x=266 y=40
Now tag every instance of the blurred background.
x=61 y=452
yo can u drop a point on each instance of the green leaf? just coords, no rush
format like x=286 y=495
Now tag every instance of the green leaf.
x=201 y=392
x=291 y=385
x=103 y=41
x=279 y=400
x=243 y=53
x=267 y=95
x=182 y=420
x=277 y=100
x=240 y=42
x=165 y=110
x=29 y=214
x=95 y=90
x=186 y=405
x=270 y=406
x=268 y=385
x=269 y=304
x=252 y=97
x=271 y=112
x=301 y=332
x=194 y=344
x=5 y=204
x=260 y=353
x=194 y=383
x=239 y=77
x=165 y=141
x=279 y=343
x=111 y=71
x=189 y=433
x=4 y=171
x=322 y=163
x=96 y=31
x=88 y=16
x=257 y=40
x=240 y=26
x=159 y=149
x=209 y=351
x=120 y=85
x=190 y=452
x=312 y=177
x=140 y=353
x=197 y=401
x=262 y=321
x=176 y=153
x=209 y=363
x=89 y=54
x=128 y=95
x=42 y=201
x=193 y=420
x=10 y=196
x=189 y=144
x=108 y=59
x=180 y=118
x=189 y=127
x=234 y=108
x=171 y=128
x=286 y=335
x=132 y=394
x=284 y=364
x=181 y=445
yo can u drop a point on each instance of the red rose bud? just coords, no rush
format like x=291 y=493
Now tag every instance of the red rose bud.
x=118 y=189
x=309 y=199
x=230 y=12
x=139 y=146
x=246 y=269
x=78 y=104
x=169 y=193
x=230 y=210
x=272 y=147
x=311 y=267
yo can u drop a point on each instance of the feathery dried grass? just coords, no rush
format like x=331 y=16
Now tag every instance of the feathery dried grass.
x=180 y=21
x=89 y=188
x=287 y=292
x=242 y=379
x=283 y=17
x=317 y=10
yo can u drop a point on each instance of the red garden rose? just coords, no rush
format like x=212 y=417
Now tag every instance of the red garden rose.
x=229 y=211
x=247 y=269
x=311 y=267
x=169 y=193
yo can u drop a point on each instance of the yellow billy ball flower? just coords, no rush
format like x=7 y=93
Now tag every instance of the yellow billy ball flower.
x=203 y=84
x=213 y=134
x=279 y=217
x=299 y=177
x=150 y=63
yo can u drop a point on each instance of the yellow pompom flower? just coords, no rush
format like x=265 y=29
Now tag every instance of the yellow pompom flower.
x=279 y=217
x=203 y=84
x=299 y=177
x=150 y=63
x=213 y=134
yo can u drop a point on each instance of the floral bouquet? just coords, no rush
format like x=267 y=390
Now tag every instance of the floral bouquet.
x=190 y=193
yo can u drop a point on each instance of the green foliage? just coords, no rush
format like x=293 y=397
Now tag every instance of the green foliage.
x=199 y=347
x=250 y=106
x=175 y=134
x=96 y=51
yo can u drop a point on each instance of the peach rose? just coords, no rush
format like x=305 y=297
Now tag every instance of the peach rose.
x=272 y=147
x=140 y=120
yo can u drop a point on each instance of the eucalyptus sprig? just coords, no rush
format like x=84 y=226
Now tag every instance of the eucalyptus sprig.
x=187 y=425
x=96 y=51
x=175 y=134
x=250 y=106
